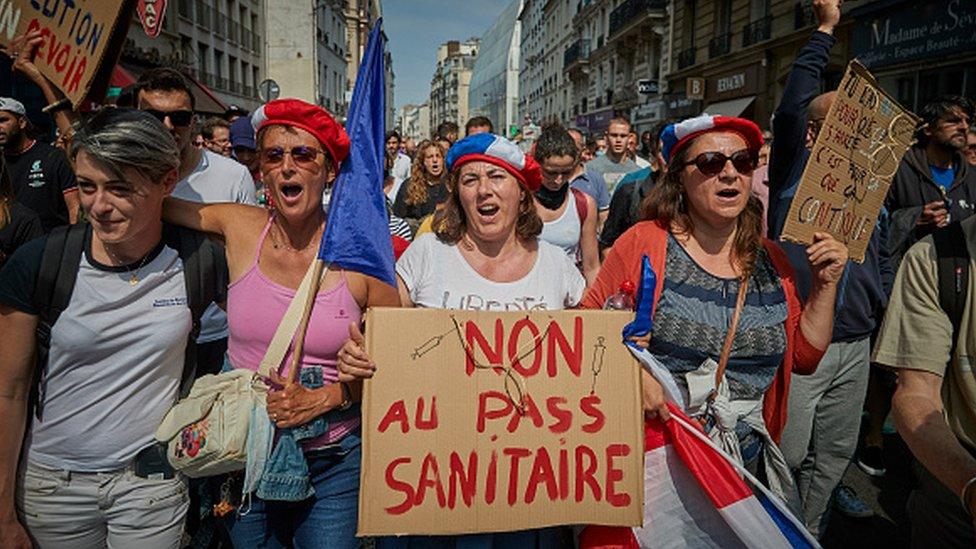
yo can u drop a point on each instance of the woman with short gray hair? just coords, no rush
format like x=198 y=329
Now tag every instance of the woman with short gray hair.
x=91 y=474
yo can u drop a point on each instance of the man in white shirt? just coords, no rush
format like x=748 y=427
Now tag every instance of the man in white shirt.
x=203 y=177
x=401 y=162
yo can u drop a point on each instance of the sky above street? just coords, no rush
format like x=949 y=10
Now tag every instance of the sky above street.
x=415 y=28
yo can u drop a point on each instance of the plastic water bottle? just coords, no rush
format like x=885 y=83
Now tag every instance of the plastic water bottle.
x=623 y=300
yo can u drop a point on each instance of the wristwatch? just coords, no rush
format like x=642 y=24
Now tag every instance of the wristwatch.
x=346 y=397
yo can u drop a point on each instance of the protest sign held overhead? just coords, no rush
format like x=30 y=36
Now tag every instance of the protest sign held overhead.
x=484 y=422
x=82 y=39
x=853 y=161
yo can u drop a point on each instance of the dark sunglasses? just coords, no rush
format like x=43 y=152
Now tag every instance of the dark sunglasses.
x=177 y=118
x=712 y=163
x=301 y=155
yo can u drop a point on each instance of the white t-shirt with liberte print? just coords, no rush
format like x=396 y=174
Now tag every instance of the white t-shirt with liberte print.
x=437 y=276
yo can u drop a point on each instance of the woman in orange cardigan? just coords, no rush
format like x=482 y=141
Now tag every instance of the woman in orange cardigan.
x=703 y=238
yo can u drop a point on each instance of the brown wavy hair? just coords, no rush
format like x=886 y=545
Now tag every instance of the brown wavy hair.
x=420 y=180
x=450 y=223
x=667 y=204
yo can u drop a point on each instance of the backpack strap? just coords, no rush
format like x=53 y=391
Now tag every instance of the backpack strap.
x=953 y=267
x=204 y=273
x=59 y=270
x=581 y=209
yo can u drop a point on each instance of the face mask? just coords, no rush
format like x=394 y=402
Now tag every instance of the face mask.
x=601 y=153
x=552 y=200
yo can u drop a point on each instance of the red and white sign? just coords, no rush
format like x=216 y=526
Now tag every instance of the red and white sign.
x=151 y=14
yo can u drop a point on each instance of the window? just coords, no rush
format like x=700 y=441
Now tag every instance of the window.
x=203 y=63
x=691 y=15
x=724 y=17
x=758 y=9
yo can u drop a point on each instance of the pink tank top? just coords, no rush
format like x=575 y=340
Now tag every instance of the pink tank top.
x=255 y=307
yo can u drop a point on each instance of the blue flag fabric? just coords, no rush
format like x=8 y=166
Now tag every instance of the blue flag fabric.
x=357 y=235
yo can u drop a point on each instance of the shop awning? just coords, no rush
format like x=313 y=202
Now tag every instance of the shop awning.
x=206 y=101
x=121 y=78
x=732 y=107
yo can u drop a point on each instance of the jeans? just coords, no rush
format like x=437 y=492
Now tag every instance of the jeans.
x=326 y=520
x=67 y=509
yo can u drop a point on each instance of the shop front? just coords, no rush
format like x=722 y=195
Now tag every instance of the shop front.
x=918 y=50
x=733 y=93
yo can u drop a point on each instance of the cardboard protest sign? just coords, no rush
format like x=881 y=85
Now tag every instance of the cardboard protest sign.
x=82 y=39
x=485 y=422
x=852 y=163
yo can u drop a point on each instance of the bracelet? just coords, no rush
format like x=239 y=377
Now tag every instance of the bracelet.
x=965 y=492
x=61 y=104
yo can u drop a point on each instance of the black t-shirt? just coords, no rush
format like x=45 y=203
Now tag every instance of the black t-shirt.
x=435 y=195
x=22 y=226
x=40 y=176
x=625 y=209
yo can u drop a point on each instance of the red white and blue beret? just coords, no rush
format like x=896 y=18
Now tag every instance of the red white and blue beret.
x=676 y=136
x=311 y=118
x=497 y=150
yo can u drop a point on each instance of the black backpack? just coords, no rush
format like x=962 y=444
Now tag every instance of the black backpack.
x=204 y=271
x=953 y=267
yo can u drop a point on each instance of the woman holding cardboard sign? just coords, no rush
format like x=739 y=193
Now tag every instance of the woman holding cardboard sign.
x=484 y=255
x=730 y=327
x=310 y=502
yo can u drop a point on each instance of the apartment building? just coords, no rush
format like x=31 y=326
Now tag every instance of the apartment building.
x=494 y=91
x=450 y=85
x=218 y=44
x=415 y=122
x=306 y=51
x=360 y=17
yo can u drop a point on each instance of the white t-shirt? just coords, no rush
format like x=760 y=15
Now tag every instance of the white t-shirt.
x=115 y=365
x=216 y=179
x=641 y=163
x=564 y=231
x=438 y=276
x=400 y=173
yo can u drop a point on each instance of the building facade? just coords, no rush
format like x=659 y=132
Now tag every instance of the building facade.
x=584 y=62
x=451 y=82
x=217 y=43
x=306 y=51
x=415 y=122
x=733 y=56
x=360 y=16
x=494 y=90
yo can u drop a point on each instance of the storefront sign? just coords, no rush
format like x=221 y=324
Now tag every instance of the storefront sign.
x=695 y=88
x=679 y=106
x=595 y=121
x=499 y=421
x=81 y=40
x=731 y=85
x=851 y=166
x=919 y=30
x=647 y=86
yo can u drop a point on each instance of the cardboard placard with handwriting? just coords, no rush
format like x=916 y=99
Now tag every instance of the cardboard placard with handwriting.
x=851 y=165
x=489 y=422
x=82 y=39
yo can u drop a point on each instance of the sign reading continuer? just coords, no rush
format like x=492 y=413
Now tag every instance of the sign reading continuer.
x=851 y=166
x=486 y=422
x=79 y=36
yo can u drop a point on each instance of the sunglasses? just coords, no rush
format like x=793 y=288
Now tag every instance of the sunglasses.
x=301 y=155
x=712 y=163
x=177 y=118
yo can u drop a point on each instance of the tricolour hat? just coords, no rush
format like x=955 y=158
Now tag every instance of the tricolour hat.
x=12 y=105
x=499 y=151
x=311 y=118
x=242 y=133
x=676 y=136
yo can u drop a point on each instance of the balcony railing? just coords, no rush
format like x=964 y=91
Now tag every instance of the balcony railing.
x=757 y=31
x=236 y=87
x=720 y=45
x=630 y=11
x=222 y=83
x=686 y=58
x=803 y=15
x=207 y=79
x=249 y=91
x=579 y=51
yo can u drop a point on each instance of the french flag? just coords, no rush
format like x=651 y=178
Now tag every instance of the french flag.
x=695 y=495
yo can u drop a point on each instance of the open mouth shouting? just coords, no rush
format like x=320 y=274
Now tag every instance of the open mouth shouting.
x=291 y=193
x=488 y=212
x=729 y=194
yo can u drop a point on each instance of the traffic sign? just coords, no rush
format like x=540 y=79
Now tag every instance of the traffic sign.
x=268 y=90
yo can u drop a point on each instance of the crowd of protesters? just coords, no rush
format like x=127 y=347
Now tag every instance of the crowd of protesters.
x=107 y=223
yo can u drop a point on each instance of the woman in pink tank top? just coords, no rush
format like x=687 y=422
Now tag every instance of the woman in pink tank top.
x=268 y=254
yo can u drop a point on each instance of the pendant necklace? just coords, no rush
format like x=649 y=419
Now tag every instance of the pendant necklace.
x=133 y=274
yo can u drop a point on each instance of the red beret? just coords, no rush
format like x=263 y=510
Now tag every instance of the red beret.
x=311 y=118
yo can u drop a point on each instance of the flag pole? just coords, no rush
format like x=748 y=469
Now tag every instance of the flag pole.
x=296 y=357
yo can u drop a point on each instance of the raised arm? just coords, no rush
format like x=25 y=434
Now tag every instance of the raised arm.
x=216 y=219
